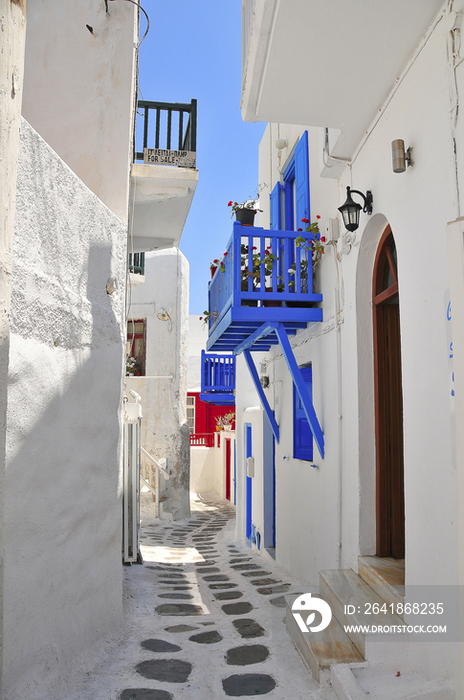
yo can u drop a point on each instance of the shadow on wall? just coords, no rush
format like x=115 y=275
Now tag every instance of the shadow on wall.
x=62 y=501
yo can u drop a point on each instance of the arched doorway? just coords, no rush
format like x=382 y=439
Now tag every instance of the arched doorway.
x=390 y=532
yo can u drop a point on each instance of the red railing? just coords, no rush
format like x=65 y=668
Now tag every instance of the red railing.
x=202 y=439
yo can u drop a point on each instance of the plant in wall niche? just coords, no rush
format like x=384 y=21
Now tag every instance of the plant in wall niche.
x=225 y=422
x=133 y=367
x=208 y=316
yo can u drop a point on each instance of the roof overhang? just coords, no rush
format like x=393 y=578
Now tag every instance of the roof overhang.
x=329 y=64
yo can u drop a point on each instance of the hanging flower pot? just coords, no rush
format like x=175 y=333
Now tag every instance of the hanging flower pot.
x=245 y=216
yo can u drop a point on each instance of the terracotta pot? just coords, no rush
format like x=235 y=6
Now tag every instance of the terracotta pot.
x=213 y=270
x=271 y=302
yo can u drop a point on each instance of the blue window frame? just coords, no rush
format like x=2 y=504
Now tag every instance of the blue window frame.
x=302 y=435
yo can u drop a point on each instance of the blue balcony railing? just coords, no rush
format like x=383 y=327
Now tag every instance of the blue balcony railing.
x=217 y=378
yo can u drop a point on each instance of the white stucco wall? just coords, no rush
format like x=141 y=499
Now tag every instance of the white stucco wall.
x=62 y=488
x=165 y=431
x=198 y=335
x=326 y=516
x=79 y=89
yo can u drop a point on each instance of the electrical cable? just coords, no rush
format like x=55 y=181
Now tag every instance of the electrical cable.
x=137 y=4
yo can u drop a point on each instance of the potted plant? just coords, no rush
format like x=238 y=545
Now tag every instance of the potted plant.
x=208 y=316
x=225 y=422
x=245 y=211
x=313 y=250
x=133 y=367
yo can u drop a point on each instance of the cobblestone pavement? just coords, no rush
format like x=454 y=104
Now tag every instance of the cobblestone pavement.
x=205 y=618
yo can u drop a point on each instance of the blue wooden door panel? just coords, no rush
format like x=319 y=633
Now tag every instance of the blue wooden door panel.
x=275 y=207
x=302 y=435
x=302 y=180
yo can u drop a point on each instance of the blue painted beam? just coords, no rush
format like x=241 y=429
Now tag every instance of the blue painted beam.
x=301 y=388
x=259 y=333
x=262 y=397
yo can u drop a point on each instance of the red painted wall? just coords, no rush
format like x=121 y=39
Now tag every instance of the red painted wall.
x=206 y=414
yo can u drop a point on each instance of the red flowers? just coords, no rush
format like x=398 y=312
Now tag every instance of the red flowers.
x=306 y=221
x=323 y=239
x=230 y=203
x=224 y=255
x=317 y=216
x=300 y=229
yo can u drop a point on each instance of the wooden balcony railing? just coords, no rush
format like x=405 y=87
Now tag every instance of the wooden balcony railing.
x=262 y=268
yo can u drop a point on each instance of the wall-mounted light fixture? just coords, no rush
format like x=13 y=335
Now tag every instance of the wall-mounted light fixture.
x=351 y=209
x=400 y=157
x=280 y=144
x=164 y=315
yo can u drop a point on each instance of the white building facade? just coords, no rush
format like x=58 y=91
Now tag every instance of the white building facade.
x=385 y=377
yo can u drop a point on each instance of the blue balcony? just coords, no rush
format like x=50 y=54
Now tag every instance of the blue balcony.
x=261 y=293
x=218 y=379
x=266 y=278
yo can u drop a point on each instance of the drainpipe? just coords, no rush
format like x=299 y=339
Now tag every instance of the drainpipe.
x=12 y=45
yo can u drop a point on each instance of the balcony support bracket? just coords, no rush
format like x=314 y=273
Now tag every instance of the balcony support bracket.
x=262 y=397
x=300 y=386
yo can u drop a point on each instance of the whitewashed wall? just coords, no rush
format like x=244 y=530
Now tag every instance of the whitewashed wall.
x=198 y=335
x=79 y=89
x=165 y=431
x=62 y=488
x=326 y=515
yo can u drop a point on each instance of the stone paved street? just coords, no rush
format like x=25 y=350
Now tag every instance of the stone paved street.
x=204 y=619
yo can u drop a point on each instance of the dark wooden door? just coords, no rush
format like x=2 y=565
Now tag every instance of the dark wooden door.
x=390 y=523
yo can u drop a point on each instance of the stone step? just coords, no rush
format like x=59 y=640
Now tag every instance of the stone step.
x=321 y=649
x=385 y=576
x=363 y=683
x=342 y=588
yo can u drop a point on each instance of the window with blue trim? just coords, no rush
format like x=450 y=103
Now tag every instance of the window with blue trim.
x=302 y=435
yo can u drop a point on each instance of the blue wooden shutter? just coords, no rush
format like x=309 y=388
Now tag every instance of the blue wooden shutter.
x=302 y=435
x=275 y=207
x=302 y=181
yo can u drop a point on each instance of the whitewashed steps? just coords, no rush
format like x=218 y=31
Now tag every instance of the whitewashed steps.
x=342 y=588
x=322 y=649
x=385 y=576
x=383 y=684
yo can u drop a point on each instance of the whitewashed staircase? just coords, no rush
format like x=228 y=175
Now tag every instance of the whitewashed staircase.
x=354 y=658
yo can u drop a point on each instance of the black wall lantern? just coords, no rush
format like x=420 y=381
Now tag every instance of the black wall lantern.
x=350 y=210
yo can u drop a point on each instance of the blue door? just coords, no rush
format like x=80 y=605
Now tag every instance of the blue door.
x=248 y=482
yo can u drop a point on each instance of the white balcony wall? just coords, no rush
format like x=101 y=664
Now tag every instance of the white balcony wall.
x=79 y=89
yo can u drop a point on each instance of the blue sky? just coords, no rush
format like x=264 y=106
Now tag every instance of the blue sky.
x=193 y=50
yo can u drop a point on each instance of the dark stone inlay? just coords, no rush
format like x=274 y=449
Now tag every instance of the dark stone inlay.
x=204 y=563
x=239 y=567
x=181 y=588
x=244 y=684
x=237 y=608
x=246 y=655
x=176 y=596
x=211 y=637
x=217 y=577
x=210 y=570
x=218 y=586
x=250 y=574
x=248 y=629
x=171 y=574
x=278 y=602
x=274 y=589
x=228 y=595
x=238 y=560
x=180 y=628
x=165 y=670
x=265 y=582
x=159 y=645
x=145 y=694
x=178 y=609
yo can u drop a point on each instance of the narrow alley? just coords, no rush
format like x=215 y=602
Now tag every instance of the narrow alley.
x=205 y=618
